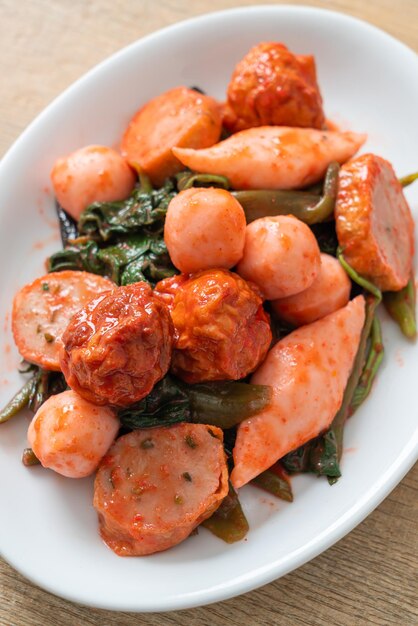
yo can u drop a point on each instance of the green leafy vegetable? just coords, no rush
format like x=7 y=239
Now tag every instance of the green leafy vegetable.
x=134 y=258
x=166 y=404
x=143 y=211
x=122 y=240
x=218 y=404
x=228 y=522
x=401 y=307
x=77 y=256
x=276 y=481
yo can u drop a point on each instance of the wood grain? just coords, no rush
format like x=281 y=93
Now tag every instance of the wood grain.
x=369 y=577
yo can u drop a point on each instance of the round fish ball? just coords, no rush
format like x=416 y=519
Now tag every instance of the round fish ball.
x=329 y=292
x=91 y=174
x=204 y=229
x=281 y=256
x=70 y=435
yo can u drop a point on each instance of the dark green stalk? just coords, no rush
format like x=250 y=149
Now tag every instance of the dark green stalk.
x=276 y=481
x=409 y=179
x=228 y=522
x=359 y=280
x=19 y=401
x=226 y=404
x=306 y=206
x=29 y=458
x=40 y=390
x=259 y=203
x=374 y=359
x=222 y=404
x=401 y=307
x=186 y=180
x=325 y=207
x=144 y=182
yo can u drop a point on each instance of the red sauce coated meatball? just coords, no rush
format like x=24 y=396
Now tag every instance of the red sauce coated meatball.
x=166 y=289
x=222 y=331
x=271 y=86
x=118 y=346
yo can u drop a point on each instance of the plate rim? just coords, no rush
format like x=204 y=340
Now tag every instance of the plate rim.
x=377 y=492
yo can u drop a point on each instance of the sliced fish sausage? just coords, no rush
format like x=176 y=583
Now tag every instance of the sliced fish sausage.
x=374 y=223
x=308 y=371
x=42 y=310
x=156 y=485
x=178 y=117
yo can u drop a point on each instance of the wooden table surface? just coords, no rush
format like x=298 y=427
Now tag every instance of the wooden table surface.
x=369 y=577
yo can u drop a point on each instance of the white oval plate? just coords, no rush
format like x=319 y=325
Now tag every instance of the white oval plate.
x=47 y=523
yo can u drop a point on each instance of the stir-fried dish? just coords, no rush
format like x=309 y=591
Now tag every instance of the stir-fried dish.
x=211 y=320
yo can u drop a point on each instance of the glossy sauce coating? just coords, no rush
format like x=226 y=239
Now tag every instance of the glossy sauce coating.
x=178 y=117
x=374 y=223
x=167 y=289
x=156 y=485
x=91 y=174
x=329 y=292
x=43 y=308
x=273 y=86
x=70 y=435
x=222 y=331
x=118 y=346
x=281 y=256
x=308 y=371
x=204 y=228
x=273 y=157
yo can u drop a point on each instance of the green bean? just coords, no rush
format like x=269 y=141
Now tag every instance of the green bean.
x=401 y=307
x=265 y=203
x=308 y=207
x=276 y=481
x=228 y=522
x=29 y=458
x=374 y=359
x=408 y=180
x=226 y=404
x=359 y=280
x=40 y=390
x=19 y=401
